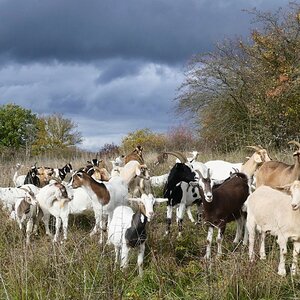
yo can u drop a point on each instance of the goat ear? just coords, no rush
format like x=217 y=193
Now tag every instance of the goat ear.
x=161 y=200
x=134 y=199
x=209 y=172
x=296 y=153
x=285 y=188
x=257 y=158
x=138 y=170
x=79 y=174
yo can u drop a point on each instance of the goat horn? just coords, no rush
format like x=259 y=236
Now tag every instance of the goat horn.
x=295 y=143
x=256 y=148
x=161 y=200
x=199 y=173
x=134 y=199
x=179 y=155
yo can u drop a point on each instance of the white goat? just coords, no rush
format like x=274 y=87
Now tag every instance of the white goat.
x=220 y=169
x=18 y=180
x=9 y=195
x=159 y=181
x=104 y=197
x=53 y=199
x=277 y=212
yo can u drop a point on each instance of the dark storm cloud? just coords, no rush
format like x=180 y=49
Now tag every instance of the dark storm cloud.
x=158 y=30
x=117 y=69
x=111 y=66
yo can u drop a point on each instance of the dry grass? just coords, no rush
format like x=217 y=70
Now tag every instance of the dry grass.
x=173 y=269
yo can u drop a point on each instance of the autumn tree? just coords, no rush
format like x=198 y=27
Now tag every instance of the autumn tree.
x=56 y=132
x=181 y=138
x=248 y=91
x=17 y=127
x=146 y=138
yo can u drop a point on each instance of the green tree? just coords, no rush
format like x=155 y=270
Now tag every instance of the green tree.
x=248 y=91
x=17 y=127
x=56 y=133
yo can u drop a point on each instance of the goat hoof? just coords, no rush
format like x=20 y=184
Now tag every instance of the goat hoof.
x=293 y=272
x=282 y=273
x=206 y=257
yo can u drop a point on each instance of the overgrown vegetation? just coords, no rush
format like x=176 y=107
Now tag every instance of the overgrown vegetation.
x=248 y=91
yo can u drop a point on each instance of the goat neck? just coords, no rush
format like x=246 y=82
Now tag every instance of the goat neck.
x=93 y=188
x=136 y=234
x=100 y=190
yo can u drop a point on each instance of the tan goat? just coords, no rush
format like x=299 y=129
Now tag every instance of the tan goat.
x=277 y=173
x=136 y=154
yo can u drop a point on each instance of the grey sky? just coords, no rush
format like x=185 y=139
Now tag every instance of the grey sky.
x=111 y=66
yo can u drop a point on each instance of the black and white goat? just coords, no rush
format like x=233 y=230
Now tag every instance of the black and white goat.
x=127 y=229
x=61 y=173
x=32 y=177
x=185 y=187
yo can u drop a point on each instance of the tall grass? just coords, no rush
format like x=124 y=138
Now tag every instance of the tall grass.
x=173 y=268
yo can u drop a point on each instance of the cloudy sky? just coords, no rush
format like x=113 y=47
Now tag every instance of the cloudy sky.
x=111 y=66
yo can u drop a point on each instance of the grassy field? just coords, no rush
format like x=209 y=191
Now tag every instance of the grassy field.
x=173 y=268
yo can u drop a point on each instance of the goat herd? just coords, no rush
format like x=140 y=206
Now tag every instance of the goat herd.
x=260 y=195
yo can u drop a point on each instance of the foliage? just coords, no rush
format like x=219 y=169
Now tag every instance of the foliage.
x=56 y=133
x=181 y=138
x=109 y=150
x=146 y=138
x=248 y=91
x=17 y=127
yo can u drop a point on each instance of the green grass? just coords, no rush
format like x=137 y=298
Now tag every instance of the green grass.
x=173 y=268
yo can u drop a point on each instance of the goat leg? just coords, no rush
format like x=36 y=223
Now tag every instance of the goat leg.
x=169 y=219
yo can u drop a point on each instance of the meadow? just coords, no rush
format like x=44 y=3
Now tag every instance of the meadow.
x=173 y=268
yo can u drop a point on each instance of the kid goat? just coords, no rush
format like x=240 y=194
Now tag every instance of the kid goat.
x=127 y=230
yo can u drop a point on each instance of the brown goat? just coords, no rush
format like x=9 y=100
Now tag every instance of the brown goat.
x=225 y=206
x=277 y=173
x=45 y=175
x=136 y=154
